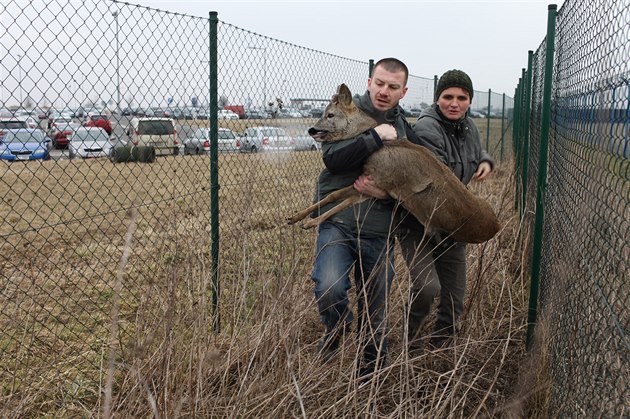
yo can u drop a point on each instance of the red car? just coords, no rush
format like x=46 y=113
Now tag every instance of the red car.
x=100 y=121
x=61 y=131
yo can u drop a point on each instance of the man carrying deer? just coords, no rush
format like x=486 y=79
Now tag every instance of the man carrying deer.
x=359 y=236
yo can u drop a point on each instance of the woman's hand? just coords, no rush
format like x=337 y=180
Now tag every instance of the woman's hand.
x=365 y=186
x=483 y=170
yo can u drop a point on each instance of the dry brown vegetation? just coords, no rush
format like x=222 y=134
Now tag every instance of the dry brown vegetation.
x=81 y=317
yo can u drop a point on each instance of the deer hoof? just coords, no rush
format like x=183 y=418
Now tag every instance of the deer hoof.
x=309 y=224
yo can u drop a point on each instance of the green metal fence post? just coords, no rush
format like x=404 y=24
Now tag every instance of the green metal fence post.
x=515 y=117
x=517 y=122
x=527 y=109
x=541 y=186
x=519 y=141
x=370 y=67
x=214 y=170
x=502 y=128
x=435 y=81
x=488 y=120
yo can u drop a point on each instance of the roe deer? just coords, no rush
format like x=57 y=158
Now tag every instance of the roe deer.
x=409 y=173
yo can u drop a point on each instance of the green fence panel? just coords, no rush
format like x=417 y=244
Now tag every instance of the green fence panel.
x=585 y=247
x=205 y=155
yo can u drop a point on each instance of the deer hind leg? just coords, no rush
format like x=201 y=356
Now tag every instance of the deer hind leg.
x=331 y=197
x=348 y=202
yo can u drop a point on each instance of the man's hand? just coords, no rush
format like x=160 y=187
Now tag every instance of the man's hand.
x=387 y=133
x=483 y=170
x=365 y=186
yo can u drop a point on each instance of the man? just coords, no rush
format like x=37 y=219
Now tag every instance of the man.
x=359 y=236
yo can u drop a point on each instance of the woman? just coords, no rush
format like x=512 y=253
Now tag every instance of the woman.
x=437 y=264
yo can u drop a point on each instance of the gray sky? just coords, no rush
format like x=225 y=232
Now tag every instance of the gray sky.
x=64 y=51
x=487 y=39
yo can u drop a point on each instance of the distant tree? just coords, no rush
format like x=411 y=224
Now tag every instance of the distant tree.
x=424 y=105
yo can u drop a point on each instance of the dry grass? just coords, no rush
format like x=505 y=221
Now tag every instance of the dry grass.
x=64 y=356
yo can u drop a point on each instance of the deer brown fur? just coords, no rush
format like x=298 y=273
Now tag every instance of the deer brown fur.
x=409 y=173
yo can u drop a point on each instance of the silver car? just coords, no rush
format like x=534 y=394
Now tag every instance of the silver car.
x=199 y=142
x=305 y=142
x=88 y=142
x=266 y=139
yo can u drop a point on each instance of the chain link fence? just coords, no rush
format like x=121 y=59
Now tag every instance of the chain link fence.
x=76 y=294
x=585 y=242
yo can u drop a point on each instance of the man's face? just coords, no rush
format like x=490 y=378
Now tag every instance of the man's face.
x=386 y=88
x=453 y=103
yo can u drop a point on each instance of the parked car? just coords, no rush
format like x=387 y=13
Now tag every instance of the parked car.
x=24 y=144
x=89 y=142
x=36 y=113
x=101 y=121
x=177 y=113
x=265 y=139
x=256 y=114
x=317 y=112
x=16 y=122
x=79 y=113
x=61 y=130
x=305 y=142
x=199 y=142
x=476 y=114
x=189 y=113
x=289 y=113
x=160 y=112
x=226 y=114
x=157 y=132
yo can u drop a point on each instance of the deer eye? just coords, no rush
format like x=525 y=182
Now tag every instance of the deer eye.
x=330 y=115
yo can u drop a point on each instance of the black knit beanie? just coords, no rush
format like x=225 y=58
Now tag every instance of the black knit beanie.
x=454 y=78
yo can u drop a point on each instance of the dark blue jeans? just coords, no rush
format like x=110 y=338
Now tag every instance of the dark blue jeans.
x=338 y=250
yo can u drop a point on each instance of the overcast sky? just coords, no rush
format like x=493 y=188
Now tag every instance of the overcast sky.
x=487 y=39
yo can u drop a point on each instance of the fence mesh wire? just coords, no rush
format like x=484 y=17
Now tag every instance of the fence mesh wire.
x=584 y=287
x=110 y=65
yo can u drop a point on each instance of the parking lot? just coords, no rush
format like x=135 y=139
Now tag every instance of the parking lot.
x=119 y=125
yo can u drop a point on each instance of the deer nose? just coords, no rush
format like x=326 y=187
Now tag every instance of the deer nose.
x=312 y=131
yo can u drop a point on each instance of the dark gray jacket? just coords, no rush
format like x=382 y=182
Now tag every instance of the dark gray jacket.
x=344 y=164
x=456 y=144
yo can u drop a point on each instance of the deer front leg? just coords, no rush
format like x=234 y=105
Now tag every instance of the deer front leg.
x=348 y=202
x=331 y=197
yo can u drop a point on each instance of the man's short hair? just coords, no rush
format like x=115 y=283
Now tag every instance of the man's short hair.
x=392 y=65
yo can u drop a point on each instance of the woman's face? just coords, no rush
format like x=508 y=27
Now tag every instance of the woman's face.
x=453 y=103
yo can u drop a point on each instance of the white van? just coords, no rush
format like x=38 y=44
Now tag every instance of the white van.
x=157 y=132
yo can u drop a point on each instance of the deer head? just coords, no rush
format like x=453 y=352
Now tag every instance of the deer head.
x=341 y=119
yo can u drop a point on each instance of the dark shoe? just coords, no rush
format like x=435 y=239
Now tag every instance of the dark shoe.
x=328 y=345
x=442 y=336
x=416 y=348
x=372 y=362
x=440 y=341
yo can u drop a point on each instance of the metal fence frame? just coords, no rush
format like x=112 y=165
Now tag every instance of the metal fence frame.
x=573 y=178
x=116 y=53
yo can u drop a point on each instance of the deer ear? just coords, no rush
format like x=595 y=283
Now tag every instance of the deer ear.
x=344 y=95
